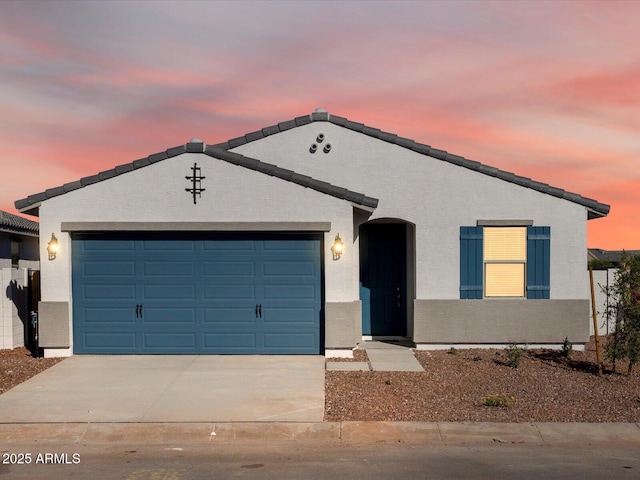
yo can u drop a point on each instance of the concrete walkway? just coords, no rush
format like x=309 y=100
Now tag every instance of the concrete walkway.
x=384 y=357
x=171 y=388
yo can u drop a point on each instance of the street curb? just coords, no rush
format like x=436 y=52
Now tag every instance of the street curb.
x=552 y=434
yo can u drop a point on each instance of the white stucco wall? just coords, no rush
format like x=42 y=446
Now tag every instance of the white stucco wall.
x=437 y=197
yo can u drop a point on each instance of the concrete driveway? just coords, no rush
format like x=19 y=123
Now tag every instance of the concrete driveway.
x=171 y=388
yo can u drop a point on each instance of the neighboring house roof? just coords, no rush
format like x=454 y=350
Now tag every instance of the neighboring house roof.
x=11 y=223
x=612 y=256
x=220 y=151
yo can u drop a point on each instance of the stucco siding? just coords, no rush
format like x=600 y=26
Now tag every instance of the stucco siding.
x=343 y=321
x=436 y=196
x=492 y=321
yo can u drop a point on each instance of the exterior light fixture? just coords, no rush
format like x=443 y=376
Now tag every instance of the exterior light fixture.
x=52 y=247
x=337 y=248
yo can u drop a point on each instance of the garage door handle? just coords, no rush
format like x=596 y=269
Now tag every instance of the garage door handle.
x=260 y=310
x=138 y=311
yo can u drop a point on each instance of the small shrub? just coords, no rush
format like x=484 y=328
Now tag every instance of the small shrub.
x=499 y=400
x=388 y=382
x=452 y=351
x=567 y=348
x=513 y=355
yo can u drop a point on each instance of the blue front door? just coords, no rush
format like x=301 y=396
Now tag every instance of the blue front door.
x=383 y=279
x=171 y=293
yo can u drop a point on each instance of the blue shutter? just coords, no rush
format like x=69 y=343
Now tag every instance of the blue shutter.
x=538 y=262
x=471 y=262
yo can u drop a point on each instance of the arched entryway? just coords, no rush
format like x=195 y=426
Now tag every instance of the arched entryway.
x=386 y=282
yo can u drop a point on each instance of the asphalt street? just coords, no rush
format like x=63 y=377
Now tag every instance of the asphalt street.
x=299 y=460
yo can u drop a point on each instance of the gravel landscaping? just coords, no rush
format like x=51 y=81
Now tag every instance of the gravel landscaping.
x=545 y=387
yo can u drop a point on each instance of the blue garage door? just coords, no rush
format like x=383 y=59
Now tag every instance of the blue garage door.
x=181 y=294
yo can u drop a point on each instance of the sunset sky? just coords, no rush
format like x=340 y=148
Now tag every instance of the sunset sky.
x=546 y=89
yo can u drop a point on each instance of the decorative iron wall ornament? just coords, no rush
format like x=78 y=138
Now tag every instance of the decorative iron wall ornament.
x=196 y=186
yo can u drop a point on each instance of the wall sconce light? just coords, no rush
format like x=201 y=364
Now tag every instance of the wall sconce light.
x=337 y=248
x=52 y=247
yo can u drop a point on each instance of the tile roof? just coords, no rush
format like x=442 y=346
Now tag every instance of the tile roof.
x=220 y=151
x=15 y=224
x=212 y=151
x=612 y=256
x=596 y=209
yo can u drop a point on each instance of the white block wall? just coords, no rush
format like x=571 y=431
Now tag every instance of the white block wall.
x=14 y=283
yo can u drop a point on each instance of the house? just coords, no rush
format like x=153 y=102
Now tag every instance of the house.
x=306 y=237
x=18 y=255
x=603 y=259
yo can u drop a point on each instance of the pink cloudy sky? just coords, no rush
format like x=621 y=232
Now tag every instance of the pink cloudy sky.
x=548 y=90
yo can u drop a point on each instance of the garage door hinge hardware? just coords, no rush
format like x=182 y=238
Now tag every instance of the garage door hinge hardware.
x=259 y=310
x=196 y=187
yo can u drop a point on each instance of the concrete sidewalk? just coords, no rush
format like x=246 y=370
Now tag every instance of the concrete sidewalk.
x=550 y=434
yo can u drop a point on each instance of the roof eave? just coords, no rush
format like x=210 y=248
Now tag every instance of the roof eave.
x=593 y=214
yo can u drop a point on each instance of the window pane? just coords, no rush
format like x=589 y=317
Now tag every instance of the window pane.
x=504 y=279
x=507 y=243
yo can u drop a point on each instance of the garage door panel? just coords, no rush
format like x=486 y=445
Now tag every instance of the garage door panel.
x=230 y=342
x=288 y=268
x=168 y=315
x=164 y=268
x=106 y=247
x=168 y=342
x=289 y=292
x=115 y=292
x=102 y=269
x=109 y=315
x=172 y=246
x=103 y=342
x=288 y=246
x=230 y=315
x=227 y=292
x=166 y=292
x=289 y=316
x=240 y=246
x=229 y=269
x=294 y=341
